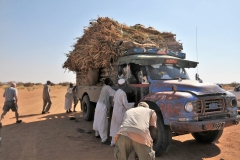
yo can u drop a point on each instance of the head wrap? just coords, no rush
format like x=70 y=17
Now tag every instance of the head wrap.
x=143 y=104
x=121 y=81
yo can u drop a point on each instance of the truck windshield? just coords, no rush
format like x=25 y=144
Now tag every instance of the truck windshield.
x=166 y=71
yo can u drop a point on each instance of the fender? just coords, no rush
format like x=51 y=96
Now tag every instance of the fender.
x=171 y=104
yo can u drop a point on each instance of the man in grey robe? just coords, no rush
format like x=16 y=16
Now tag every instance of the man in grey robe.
x=46 y=98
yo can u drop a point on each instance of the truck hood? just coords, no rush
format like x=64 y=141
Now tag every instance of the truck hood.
x=191 y=86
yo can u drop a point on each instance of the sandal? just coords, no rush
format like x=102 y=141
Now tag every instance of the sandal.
x=18 y=121
x=106 y=142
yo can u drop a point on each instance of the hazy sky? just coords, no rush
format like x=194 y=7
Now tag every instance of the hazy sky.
x=36 y=34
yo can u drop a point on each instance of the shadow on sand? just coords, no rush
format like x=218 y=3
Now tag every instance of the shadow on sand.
x=190 y=150
x=29 y=115
x=55 y=136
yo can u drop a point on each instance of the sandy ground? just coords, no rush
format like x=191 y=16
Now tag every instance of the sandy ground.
x=53 y=136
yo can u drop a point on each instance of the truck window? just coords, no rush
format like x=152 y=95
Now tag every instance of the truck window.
x=135 y=70
x=124 y=71
x=166 y=72
x=142 y=76
x=138 y=74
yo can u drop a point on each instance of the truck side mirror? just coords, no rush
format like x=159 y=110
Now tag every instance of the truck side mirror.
x=198 y=79
x=196 y=76
x=237 y=88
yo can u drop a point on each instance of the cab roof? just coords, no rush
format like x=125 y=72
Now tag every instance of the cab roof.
x=149 y=59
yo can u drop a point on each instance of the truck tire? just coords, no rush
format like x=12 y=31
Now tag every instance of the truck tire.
x=208 y=136
x=87 y=108
x=163 y=141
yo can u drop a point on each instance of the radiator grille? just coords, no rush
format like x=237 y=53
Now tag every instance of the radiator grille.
x=214 y=105
x=198 y=106
x=208 y=106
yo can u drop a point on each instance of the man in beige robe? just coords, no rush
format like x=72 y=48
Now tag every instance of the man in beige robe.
x=134 y=133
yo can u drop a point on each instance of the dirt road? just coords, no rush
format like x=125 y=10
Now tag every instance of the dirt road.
x=53 y=136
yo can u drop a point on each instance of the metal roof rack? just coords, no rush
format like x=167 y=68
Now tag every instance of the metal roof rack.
x=155 y=51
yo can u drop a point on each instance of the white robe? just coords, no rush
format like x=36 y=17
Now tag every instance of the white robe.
x=100 y=123
x=68 y=99
x=121 y=105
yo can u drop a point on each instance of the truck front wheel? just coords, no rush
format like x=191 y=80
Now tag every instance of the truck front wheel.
x=163 y=141
x=208 y=136
x=87 y=108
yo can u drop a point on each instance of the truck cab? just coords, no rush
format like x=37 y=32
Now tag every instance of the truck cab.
x=183 y=106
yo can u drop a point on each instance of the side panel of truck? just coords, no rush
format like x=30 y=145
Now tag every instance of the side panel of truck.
x=93 y=92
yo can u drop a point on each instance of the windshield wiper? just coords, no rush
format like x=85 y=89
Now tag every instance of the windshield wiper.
x=179 y=78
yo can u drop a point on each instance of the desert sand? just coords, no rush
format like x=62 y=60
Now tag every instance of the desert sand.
x=54 y=136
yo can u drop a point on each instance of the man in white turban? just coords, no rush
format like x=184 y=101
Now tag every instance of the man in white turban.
x=121 y=105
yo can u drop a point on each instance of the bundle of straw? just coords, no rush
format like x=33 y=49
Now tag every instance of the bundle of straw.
x=99 y=45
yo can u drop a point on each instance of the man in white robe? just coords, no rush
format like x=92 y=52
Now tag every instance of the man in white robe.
x=68 y=99
x=100 y=124
x=121 y=105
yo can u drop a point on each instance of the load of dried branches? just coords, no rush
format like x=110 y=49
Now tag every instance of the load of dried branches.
x=99 y=46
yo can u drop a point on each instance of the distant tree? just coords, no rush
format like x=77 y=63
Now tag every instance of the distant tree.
x=9 y=82
x=28 y=84
x=37 y=84
x=64 y=83
x=1 y=84
x=20 y=83
x=234 y=84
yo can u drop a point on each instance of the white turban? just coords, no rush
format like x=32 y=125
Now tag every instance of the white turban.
x=121 y=81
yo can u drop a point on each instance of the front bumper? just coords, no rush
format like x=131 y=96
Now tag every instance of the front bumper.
x=199 y=126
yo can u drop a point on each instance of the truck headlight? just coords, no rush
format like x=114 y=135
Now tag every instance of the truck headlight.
x=233 y=102
x=188 y=107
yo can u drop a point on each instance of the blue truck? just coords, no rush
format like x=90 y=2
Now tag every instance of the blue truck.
x=183 y=106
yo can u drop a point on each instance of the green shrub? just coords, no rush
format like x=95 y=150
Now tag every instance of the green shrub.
x=20 y=87
x=4 y=87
